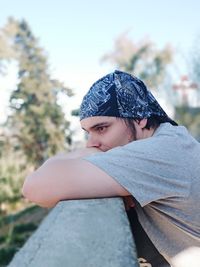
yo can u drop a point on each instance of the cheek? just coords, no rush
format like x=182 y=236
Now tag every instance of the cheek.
x=121 y=140
x=118 y=137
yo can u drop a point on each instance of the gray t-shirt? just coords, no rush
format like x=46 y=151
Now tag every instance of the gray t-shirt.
x=162 y=173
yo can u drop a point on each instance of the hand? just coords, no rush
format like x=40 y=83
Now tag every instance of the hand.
x=129 y=202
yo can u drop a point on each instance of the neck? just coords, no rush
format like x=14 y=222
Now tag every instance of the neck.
x=148 y=132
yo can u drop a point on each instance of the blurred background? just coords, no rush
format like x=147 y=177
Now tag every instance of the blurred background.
x=51 y=52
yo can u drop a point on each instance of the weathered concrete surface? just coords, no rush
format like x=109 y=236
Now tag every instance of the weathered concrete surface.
x=81 y=233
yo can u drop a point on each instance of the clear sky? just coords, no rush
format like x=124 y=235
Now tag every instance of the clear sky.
x=77 y=33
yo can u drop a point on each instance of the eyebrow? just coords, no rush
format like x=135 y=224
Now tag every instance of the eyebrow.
x=100 y=124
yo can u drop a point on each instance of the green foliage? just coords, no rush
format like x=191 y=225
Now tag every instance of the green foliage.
x=37 y=121
x=189 y=117
x=75 y=112
x=12 y=173
x=16 y=229
x=14 y=240
x=6 y=255
x=25 y=227
x=142 y=59
x=11 y=218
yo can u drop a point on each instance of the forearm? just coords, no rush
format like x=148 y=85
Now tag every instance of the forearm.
x=70 y=177
x=44 y=185
x=80 y=153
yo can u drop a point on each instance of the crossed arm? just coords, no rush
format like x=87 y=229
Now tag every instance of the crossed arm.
x=69 y=176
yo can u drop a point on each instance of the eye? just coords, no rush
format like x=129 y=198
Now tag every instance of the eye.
x=101 y=129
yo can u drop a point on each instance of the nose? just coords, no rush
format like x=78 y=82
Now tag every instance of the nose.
x=93 y=142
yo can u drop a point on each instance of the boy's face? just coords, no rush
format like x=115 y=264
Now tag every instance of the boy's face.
x=106 y=132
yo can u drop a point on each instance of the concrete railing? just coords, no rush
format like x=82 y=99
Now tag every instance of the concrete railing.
x=81 y=233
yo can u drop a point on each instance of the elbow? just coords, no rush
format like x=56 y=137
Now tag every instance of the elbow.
x=24 y=191
x=27 y=189
x=34 y=193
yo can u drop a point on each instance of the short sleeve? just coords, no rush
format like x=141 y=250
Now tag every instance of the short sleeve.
x=149 y=169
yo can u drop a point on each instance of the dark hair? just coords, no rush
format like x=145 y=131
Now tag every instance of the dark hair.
x=152 y=122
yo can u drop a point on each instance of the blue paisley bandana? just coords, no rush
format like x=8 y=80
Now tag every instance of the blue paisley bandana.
x=122 y=95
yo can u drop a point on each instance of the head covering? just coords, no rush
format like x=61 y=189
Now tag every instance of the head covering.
x=122 y=95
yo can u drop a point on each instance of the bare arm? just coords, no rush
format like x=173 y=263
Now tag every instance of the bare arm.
x=69 y=177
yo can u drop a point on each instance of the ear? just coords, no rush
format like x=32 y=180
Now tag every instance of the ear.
x=142 y=123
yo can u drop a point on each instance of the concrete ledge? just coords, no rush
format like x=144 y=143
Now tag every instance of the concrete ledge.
x=81 y=233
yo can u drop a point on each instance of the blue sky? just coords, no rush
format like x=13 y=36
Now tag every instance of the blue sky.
x=77 y=33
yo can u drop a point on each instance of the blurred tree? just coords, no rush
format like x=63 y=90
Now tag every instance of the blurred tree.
x=7 y=51
x=13 y=169
x=36 y=127
x=188 y=110
x=142 y=59
x=189 y=117
x=194 y=65
x=37 y=121
x=12 y=173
